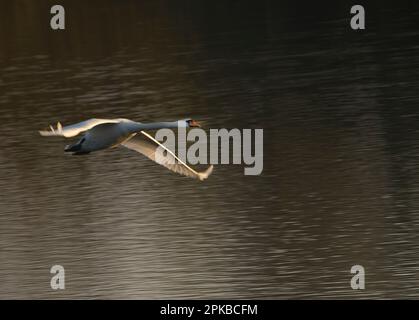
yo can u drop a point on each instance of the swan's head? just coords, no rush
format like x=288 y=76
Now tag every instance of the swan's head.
x=189 y=123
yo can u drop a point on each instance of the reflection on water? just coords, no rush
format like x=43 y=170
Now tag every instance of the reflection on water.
x=340 y=183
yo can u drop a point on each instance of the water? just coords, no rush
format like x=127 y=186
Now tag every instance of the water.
x=340 y=184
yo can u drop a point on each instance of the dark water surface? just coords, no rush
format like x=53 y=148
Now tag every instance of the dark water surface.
x=340 y=185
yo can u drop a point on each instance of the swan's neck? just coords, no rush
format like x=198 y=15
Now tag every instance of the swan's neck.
x=136 y=126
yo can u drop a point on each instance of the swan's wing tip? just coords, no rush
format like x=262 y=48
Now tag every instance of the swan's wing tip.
x=205 y=174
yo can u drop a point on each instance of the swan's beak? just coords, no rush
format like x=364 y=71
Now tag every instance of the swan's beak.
x=194 y=124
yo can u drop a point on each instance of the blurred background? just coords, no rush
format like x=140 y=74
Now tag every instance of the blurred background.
x=340 y=185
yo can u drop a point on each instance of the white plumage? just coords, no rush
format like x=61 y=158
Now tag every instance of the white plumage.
x=99 y=134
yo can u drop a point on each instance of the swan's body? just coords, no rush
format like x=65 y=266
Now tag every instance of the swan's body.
x=102 y=134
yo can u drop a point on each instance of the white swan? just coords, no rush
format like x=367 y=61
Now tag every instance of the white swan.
x=107 y=133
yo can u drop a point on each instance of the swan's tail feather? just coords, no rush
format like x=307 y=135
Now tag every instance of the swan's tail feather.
x=52 y=132
x=205 y=174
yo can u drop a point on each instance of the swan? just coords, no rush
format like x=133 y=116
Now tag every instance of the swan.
x=99 y=134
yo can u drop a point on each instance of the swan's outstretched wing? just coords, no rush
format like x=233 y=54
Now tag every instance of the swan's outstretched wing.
x=75 y=129
x=148 y=146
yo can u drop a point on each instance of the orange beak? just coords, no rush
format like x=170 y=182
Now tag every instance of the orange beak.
x=194 y=124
